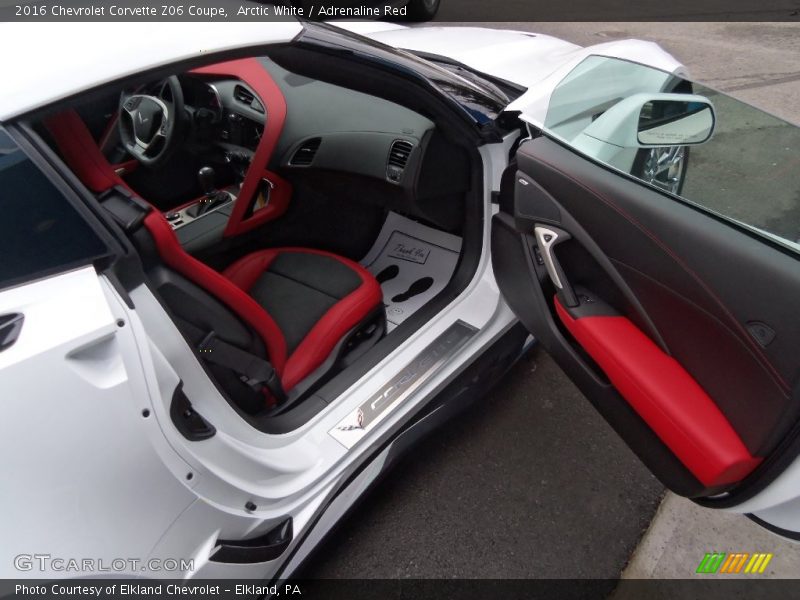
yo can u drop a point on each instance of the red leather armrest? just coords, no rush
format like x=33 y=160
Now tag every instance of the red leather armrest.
x=666 y=396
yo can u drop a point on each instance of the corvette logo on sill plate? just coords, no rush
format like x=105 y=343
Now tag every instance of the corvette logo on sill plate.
x=355 y=425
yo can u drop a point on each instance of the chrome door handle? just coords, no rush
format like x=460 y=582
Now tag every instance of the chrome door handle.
x=547 y=238
x=10 y=328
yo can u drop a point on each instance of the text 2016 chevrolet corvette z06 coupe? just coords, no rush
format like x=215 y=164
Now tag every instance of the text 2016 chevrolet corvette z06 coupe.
x=246 y=266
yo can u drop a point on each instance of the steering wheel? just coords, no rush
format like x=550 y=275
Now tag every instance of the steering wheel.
x=150 y=125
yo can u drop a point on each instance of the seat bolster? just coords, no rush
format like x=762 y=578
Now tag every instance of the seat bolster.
x=245 y=271
x=332 y=327
x=343 y=316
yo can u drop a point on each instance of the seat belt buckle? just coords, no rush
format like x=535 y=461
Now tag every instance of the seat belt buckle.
x=267 y=380
x=256 y=373
x=273 y=384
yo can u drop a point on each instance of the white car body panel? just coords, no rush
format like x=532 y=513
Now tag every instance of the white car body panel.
x=779 y=502
x=85 y=55
x=86 y=463
x=535 y=61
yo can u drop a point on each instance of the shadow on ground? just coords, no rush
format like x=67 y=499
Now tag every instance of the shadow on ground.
x=529 y=483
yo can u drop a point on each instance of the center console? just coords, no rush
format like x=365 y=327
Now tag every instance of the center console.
x=196 y=232
x=202 y=222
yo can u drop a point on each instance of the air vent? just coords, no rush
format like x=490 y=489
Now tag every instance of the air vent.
x=398 y=159
x=399 y=153
x=305 y=154
x=243 y=95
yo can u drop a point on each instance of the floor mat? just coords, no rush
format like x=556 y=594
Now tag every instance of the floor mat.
x=413 y=263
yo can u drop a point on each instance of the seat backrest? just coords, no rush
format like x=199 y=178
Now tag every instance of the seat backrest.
x=82 y=155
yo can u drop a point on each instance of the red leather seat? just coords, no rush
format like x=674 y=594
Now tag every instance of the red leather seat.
x=315 y=298
x=301 y=302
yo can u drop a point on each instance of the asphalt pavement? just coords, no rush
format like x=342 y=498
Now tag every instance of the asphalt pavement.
x=531 y=482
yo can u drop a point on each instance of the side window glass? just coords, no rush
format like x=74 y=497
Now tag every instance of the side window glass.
x=40 y=232
x=686 y=139
x=749 y=170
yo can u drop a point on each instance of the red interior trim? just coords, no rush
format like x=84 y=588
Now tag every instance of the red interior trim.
x=245 y=271
x=110 y=126
x=250 y=71
x=666 y=396
x=279 y=198
x=80 y=151
x=127 y=166
x=334 y=324
x=85 y=159
x=732 y=321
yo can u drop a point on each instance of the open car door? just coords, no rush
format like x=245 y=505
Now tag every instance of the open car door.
x=647 y=238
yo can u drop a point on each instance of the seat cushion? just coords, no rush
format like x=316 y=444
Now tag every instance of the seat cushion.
x=314 y=297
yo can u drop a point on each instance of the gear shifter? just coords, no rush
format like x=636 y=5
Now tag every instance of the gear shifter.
x=206 y=176
x=213 y=197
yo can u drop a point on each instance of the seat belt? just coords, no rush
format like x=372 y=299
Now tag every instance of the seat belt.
x=253 y=370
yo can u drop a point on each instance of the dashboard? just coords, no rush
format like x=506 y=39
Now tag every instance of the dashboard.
x=224 y=110
x=327 y=130
x=336 y=129
x=279 y=130
x=326 y=127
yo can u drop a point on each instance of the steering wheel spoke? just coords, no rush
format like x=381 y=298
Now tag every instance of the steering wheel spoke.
x=138 y=151
x=164 y=91
x=149 y=125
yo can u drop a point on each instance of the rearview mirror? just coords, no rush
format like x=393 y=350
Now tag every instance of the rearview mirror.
x=675 y=122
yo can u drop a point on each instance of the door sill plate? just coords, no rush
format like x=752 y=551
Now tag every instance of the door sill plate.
x=350 y=430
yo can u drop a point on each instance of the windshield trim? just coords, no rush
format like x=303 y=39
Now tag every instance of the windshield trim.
x=484 y=109
x=510 y=90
